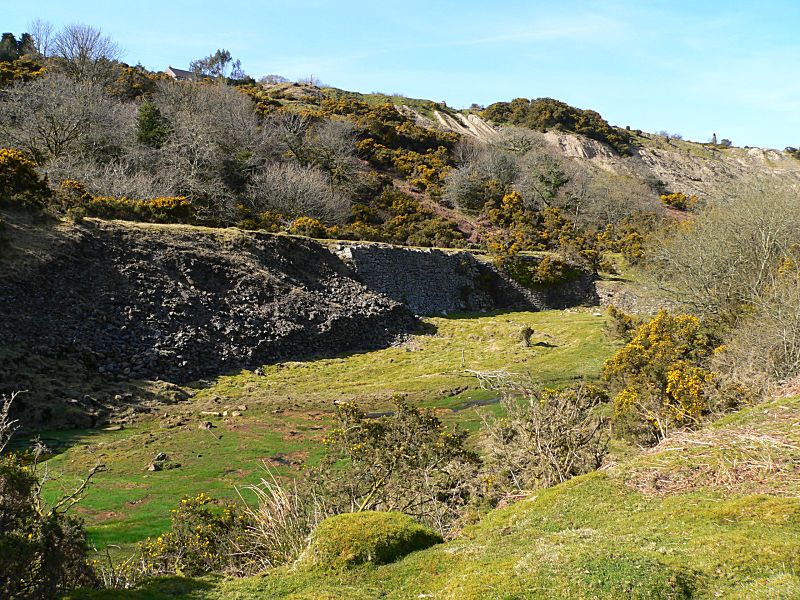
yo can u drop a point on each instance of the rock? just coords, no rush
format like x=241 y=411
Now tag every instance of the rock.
x=161 y=456
x=154 y=467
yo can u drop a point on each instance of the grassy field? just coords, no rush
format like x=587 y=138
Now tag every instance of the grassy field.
x=284 y=412
x=732 y=533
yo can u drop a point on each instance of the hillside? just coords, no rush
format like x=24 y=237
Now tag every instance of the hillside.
x=692 y=168
x=713 y=514
x=236 y=316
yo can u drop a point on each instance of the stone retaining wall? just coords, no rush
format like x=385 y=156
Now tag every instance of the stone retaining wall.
x=432 y=282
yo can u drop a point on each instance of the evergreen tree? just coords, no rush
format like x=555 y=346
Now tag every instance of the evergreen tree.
x=152 y=127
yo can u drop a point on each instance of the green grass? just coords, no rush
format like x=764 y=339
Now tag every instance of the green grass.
x=289 y=406
x=596 y=536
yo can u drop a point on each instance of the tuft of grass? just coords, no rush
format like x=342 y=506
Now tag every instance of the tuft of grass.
x=351 y=539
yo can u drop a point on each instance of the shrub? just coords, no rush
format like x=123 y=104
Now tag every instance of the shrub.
x=69 y=195
x=621 y=325
x=152 y=129
x=42 y=549
x=265 y=221
x=407 y=462
x=308 y=227
x=679 y=201
x=20 y=184
x=157 y=210
x=204 y=537
x=764 y=347
x=658 y=378
x=22 y=69
x=721 y=263
x=348 y=540
x=544 y=114
x=535 y=273
x=42 y=552
x=545 y=437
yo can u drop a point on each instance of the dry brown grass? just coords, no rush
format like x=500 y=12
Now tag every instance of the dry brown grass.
x=757 y=451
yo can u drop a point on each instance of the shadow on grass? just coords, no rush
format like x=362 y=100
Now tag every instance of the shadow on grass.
x=157 y=588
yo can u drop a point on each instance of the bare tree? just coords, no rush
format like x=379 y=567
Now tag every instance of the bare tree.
x=84 y=53
x=467 y=186
x=215 y=146
x=766 y=344
x=546 y=436
x=729 y=257
x=598 y=198
x=42 y=33
x=466 y=151
x=289 y=130
x=272 y=79
x=332 y=148
x=541 y=175
x=54 y=116
x=297 y=190
x=7 y=425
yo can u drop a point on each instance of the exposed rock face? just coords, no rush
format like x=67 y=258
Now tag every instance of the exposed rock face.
x=432 y=282
x=704 y=170
x=176 y=304
x=470 y=125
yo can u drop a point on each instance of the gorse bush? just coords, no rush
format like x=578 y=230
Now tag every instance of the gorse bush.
x=621 y=325
x=543 y=114
x=156 y=210
x=308 y=227
x=20 y=184
x=658 y=378
x=42 y=551
x=405 y=462
x=679 y=201
x=204 y=537
x=534 y=273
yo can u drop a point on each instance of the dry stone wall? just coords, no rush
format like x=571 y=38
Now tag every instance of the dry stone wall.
x=432 y=282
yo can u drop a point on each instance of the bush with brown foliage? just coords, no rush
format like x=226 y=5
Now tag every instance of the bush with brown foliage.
x=545 y=436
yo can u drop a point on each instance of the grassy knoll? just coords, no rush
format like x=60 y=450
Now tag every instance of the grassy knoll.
x=288 y=406
x=603 y=535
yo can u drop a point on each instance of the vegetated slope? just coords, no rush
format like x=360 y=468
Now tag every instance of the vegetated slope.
x=692 y=168
x=179 y=303
x=735 y=534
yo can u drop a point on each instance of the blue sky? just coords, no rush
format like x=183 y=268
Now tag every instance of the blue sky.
x=693 y=68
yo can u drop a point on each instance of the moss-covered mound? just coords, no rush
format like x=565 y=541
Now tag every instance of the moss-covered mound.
x=351 y=539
